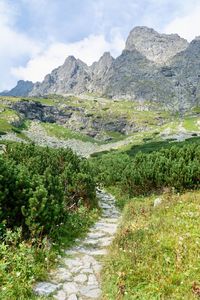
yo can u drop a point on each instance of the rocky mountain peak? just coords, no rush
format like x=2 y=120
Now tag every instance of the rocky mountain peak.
x=71 y=77
x=155 y=46
x=98 y=72
x=22 y=88
x=70 y=58
x=71 y=61
x=106 y=56
x=103 y=64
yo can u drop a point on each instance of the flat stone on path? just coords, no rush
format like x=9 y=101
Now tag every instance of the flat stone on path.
x=61 y=295
x=72 y=297
x=91 y=292
x=45 y=288
x=78 y=277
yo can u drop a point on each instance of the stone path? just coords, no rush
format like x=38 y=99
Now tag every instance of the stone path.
x=78 y=276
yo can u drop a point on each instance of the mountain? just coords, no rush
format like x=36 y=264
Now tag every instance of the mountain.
x=98 y=72
x=23 y=88
x=153 y=68
x=72 y=77
x=185 y=70
x=135 y=77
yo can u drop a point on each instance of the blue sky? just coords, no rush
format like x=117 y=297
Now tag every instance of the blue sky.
x=37 y=35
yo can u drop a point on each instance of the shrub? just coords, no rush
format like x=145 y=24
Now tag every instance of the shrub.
x=38 y=187
x=144 y=173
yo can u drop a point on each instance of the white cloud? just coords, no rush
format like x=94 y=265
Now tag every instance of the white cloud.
x=187 y=26
x=17 y=48
x=13 y=44
x=88 y=50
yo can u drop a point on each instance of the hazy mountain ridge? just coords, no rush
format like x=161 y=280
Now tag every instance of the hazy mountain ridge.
x=154 y=67
x=23 y=88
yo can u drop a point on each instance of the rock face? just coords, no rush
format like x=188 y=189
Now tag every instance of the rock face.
x=185 y=69
x=99 y=70
x=153 y=68
x=23 y=88
x=72 y=77
x=154 y=46
x=133 y=76
x=75 y=118
x=36 y=111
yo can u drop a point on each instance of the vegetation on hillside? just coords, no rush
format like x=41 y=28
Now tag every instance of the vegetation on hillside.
x=144 y=173
x=47 y=198
x=89 y=111
x=155 y=254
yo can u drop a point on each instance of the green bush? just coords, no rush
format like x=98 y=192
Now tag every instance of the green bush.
x=39 y=187
x=144 y=173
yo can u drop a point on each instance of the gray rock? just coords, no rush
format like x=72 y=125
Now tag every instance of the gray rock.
x=72 y=297
x=70 y=288
x=157 y=202
x=45 y=288
x=61 y=295
x=98 y=72
x=86 y=271
x=62 y=275
x=91 y=292
x=80 y=278
x=92 y=280
x=153 y=45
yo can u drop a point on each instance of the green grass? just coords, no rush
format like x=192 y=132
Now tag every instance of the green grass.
x=62 y=132
x=196 y=109
x=191 y=124
x=21 y=263
x=116 y=136
x=6 y=118
x=9 y=99
x=5 y=126
x=155 y=254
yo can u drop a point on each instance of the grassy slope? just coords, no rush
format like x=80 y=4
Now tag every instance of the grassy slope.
x=62 y=132
x=109 y=110
x=155 y=254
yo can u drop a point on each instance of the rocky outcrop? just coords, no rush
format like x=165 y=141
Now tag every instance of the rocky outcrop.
x=37 y=111
x=75 y=118
x=23 y=88
x=154 y=68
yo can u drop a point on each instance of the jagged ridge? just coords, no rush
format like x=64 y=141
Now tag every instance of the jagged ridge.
x=153 y=67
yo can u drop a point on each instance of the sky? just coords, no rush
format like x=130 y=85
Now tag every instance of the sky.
x=36 y=36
